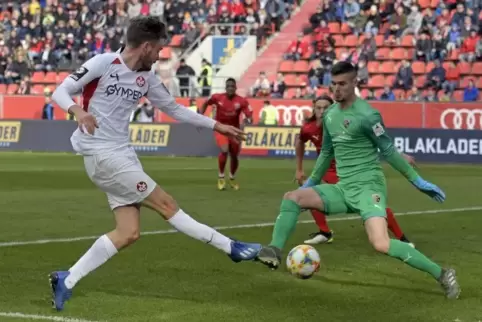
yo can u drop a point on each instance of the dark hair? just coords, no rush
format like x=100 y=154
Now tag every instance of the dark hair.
x=231 y=80
x=342 y=68
x=323 y=97
x=143 y=29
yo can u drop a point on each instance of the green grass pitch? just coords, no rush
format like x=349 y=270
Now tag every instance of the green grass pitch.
x=169 y=277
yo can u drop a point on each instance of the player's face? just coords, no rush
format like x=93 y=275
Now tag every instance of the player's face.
x=150 y=53
x=320 y=107
x=343 y=86
x=230 y=88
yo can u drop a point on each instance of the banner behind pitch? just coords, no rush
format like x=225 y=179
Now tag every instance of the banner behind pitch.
x=430 y=145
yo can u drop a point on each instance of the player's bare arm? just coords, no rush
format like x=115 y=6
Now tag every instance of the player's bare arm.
x=300 y=152
x=203 y=107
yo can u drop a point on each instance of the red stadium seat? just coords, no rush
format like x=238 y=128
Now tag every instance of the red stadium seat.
x=338 y=40
x=459 y=96
x=407 y=41
x=165 y=53
x=51 y=77
x=479 y=82
x=420 y=81
x=286 y=66
x=290 y=80
x=465 y=68
x=477 y=68
x=334 y=27
x=351 y=41
x=12 y=88
x=176 y=40
x=434 y=4
x=430 y=65
x=424 y=3
x=3 y=89
x=464 y=82
x=322 y=91
x=345 y=29
x=389 y=80
x=290 y=93
x=379 y=40
x=376 y=81
x=301 y=66
x=373 y=67
x=38 y=89
x=387 y=67
x=383 y=53
x=38 y=77
x=418 y=67
x=399 y=54
x=61 y=76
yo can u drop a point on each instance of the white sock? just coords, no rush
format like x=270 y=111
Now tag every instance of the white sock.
x=187 y=225
x=100 y=252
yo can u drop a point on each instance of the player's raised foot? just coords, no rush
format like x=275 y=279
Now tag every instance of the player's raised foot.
x=243 y=251
x=221 y=184
x=449 y=283
x=320 y=237
x=270 y=256
x=60 y=292
x=233 y=184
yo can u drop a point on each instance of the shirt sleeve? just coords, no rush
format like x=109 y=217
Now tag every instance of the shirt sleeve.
x=160 y=97
x=303 y=136
x=375 y=130
x=324 y=159
x=75 y=82
x=247 y=110
x=212 y=100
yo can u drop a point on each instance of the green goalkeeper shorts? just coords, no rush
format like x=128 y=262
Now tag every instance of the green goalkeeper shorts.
x=369 y=199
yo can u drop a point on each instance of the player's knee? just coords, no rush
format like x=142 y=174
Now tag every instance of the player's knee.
x=293 y=196
x=161 y=202
x=126 y=236
x=381 y=245
x=224 y=149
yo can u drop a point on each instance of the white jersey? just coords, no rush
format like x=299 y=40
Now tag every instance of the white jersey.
x=110 y=92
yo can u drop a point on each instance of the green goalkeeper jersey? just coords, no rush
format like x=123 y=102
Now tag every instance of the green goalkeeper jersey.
x=355 y=137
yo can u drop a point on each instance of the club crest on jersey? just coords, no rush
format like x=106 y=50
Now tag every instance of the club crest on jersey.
x=79 y=73
x=376 y=198
x=140 y=81
x=346 y=123
x=141 y=186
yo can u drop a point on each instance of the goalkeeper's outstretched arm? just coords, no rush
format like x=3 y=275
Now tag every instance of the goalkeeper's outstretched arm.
x=375 y=130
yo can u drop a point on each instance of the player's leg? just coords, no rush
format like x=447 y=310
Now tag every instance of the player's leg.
x=325 y=196
x=234 y=149
x=371 y=204
x=324 y=233
x=223 y=144
x=165 y=205
x=394 y=227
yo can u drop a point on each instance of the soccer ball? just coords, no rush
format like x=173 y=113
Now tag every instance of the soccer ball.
x=303 y=261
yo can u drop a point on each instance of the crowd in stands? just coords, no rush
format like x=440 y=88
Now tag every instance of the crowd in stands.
x=405 y=50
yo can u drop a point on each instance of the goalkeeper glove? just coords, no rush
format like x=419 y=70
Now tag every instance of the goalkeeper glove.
x=429 y=189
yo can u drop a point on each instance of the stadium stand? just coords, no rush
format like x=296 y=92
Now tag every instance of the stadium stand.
x=401 y=46
x=42 y=40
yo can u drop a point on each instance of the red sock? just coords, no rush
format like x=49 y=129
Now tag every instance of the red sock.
x=234 y=165
x=222 y=158
x=320 y=220
x=393 y=224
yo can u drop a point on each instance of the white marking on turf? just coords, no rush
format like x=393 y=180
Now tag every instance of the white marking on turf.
x=24 y=316
x=172 y=231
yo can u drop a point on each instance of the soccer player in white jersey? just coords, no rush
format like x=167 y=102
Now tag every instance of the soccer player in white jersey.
x=112 y=85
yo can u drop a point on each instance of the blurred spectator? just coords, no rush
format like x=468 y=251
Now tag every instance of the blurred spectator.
x=297 y=49
x=436 y=77
x=48 y=108
x=374 y=21
x=261 y=86
x=387 y=94
x=439 y=49
x=205 y=79
x=471 y=93
x=415 y=95
x=371 y=95
x=404 y=77
x=315 y=74
x=269 y=114
x=423 y=48
x=363 y=74
x=398 y=23
x=184 y=74
x=452 y=79
x=369 y=46
x=414 y=21
x=453 y=38
x=24 y=87
x=468 y=47
x=431 y=95
x=278 y=87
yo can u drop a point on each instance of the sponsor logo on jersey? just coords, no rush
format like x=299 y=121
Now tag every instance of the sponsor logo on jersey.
x=376 y=198
x=346 y=123
x=79 y=73
x=126 y=93
x=378 y=129
x=9 y=133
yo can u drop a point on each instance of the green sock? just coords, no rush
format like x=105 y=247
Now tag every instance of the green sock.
x=285 y=223
x=413 y=257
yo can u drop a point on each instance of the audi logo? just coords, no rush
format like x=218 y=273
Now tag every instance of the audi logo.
x=461 y=118
x=292 y=115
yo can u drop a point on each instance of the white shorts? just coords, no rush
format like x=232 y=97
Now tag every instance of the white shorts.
x=120 y=175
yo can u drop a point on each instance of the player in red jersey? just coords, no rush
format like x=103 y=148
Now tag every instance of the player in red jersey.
x=228 y=108
x=312 y=131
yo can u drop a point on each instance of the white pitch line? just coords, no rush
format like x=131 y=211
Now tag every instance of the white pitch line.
x=24 y=316
x=172 y=231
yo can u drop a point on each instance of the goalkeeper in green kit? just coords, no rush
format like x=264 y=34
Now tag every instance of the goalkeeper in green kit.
x=353 y=134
